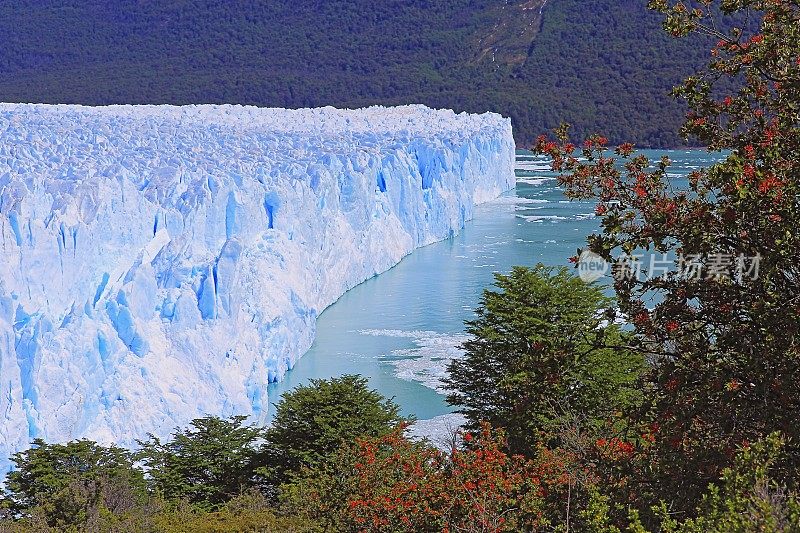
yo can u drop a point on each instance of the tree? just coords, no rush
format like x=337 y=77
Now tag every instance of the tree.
x=724 y=334
x=542 y=348
x=207 y=464
x=67 y=485
x=312 y=421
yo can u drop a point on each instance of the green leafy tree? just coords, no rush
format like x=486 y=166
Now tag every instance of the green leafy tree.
x=206 y=464
x=543 y=348
x=66 y=485
x=312 y=421
x=724 y=333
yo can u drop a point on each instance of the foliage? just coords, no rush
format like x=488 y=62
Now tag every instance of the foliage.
x=312 y=421
x=250 y=512
x=64 y=485
x=724 y=342
x=543 y=347
x=596 y=64
x=206 y=464
x=747 y=498
x=392 y=484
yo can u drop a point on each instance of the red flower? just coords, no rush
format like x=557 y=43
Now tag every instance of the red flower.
x=769 y=183
x=625 y=149
x=672 y=325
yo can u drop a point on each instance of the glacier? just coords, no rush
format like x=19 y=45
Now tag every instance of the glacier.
x=161 y=263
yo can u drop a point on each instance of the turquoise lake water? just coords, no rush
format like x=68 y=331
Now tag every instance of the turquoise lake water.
x=401 y=328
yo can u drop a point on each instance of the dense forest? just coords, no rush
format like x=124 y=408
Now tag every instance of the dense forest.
x=600 y=65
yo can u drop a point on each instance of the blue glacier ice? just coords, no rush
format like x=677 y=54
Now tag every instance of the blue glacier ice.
x=160 y=263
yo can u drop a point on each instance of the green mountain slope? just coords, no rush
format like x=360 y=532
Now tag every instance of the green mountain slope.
x=602 y=65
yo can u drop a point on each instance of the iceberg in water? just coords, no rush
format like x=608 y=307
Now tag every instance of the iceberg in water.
x=161 y=263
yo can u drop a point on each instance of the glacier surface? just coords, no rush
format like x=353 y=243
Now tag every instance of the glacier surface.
x=161 y=263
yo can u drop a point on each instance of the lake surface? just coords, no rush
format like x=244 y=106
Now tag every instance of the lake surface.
x=399 y=329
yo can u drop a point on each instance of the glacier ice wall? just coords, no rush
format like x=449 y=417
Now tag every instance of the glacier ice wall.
x=160 y=263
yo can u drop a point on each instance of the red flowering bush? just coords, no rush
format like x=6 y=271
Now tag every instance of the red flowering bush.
x=723 y=342
x=393 y=484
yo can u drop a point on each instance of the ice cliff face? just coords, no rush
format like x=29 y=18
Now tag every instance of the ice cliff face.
x=161 y=263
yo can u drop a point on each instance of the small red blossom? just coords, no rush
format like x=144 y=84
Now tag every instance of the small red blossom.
x=626 y=149
x=672 y=326
x=769 y=183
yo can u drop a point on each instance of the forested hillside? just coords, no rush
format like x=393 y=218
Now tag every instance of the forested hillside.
x=600 y=65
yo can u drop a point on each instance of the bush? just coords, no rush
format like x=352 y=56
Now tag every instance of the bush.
x=249 y=512
x=392 y=484
x=747 y=498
